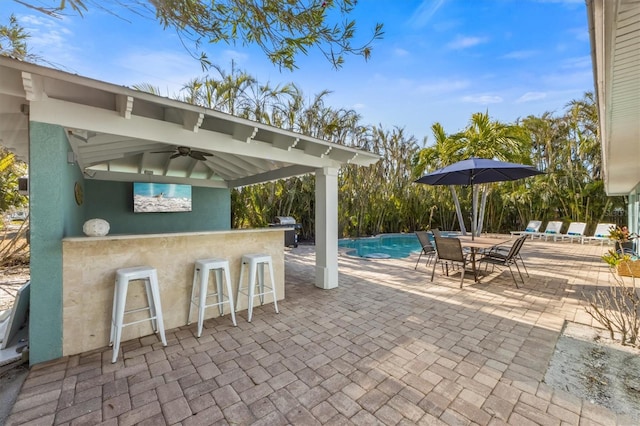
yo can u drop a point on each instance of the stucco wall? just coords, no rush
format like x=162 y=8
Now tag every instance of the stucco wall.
x=54 y=214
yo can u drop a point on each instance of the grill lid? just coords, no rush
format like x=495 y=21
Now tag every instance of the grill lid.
x=285 y=220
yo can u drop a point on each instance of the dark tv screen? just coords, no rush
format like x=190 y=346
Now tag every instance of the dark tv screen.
x=161 y=197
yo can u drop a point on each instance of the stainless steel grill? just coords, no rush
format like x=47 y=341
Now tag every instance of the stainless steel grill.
x=290 y=235
x=285 y=220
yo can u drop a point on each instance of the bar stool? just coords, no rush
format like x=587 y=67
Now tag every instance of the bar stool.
x=201 y=281
x=123 y=277
x=256 y=263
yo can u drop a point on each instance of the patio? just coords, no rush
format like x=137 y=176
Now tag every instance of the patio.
x=386 y=347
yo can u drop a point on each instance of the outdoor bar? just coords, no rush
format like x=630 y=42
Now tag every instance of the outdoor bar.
x=89 y=265
x=89 y=144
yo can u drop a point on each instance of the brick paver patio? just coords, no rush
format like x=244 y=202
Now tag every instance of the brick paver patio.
x=386 y=347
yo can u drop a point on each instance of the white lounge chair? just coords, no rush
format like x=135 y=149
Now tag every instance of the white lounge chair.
x=552 y=230
x=575 y=232
x=600 y=234
x=533 y=227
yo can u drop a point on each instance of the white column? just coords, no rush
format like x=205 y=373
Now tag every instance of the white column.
x=327 y=227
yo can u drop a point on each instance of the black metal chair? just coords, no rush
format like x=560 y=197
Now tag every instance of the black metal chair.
x=427 y=248
x=498 y=259
x=449 y=250
x=503 y=251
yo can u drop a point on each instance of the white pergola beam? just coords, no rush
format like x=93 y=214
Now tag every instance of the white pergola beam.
x=134 y=177
x=282 y=173
x=69 y=114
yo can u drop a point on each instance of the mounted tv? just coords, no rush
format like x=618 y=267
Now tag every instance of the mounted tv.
x=161 y=197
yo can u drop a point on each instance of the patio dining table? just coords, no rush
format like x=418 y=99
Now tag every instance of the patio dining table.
x=479 y=243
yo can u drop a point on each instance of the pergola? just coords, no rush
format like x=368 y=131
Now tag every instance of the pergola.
x=113 y=132
x=71 y=128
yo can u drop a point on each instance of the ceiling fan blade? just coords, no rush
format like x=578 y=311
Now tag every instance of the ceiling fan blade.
x=202 y=153
x=176 y=155
x=198 y=155
x=162 y=152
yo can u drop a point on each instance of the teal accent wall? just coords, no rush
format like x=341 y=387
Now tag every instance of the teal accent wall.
x=54 y=215
x=113 y=202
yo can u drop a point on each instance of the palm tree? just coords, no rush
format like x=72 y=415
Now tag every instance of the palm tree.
x=10 y=170
x=230 y=89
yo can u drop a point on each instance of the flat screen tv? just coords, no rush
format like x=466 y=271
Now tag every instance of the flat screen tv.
x=161 y=197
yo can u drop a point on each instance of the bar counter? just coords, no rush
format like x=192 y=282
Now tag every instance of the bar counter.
x=90 y=263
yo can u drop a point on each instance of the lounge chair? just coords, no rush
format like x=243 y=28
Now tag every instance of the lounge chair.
x=532 y=228
x=499 y=259
x=575 y=232
x=449 y=250
x=553 y=228
x=428 y=249
x=600 y=234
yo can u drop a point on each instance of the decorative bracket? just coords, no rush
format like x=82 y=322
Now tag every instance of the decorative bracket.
x=33 y=87
x=192 y=120
x=124 y=105
x=245 y=134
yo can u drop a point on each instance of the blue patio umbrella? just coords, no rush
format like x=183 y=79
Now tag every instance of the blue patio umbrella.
x=478 y=170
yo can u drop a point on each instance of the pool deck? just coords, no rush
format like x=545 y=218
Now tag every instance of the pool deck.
x=386 y=347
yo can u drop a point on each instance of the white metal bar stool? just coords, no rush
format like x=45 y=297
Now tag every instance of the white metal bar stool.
x=123 y=277
x=201 y=282
x=256 y=264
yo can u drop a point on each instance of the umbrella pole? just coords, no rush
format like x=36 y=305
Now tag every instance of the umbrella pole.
x=474 y=207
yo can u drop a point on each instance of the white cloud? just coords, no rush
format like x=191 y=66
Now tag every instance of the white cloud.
x=531 y=96
x=398 y=51
x=425 y=12
x=576 y=78
x=567 y=2
x=167 y=70
x=464 y=42
x=580 y=34
x=359 y=106
x=51 y=41
x=580 y=63
x=482 y=99
x=228 y=55
x=443 y=86
x=520 y=54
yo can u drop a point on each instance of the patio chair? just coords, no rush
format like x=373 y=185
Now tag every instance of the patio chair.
x=533 y=227
x=553 y=228
x=503 y=251
x=428 y=249
x=575 y=232
x=501 y=260
x=601 y=233
x=449 y=250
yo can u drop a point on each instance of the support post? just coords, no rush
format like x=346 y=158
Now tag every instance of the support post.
x=327 y=228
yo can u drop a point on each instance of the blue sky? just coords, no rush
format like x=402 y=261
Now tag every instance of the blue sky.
x=439 y=61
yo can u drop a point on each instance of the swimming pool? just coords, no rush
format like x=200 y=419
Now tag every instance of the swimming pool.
x=394 y=246
x=385 y=246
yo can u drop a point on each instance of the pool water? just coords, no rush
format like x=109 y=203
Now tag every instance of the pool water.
x=388 y=246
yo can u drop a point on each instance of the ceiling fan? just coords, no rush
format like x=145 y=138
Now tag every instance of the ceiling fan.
x=185 y=151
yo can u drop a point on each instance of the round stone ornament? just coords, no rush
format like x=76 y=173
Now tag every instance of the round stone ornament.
x=96 y=228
